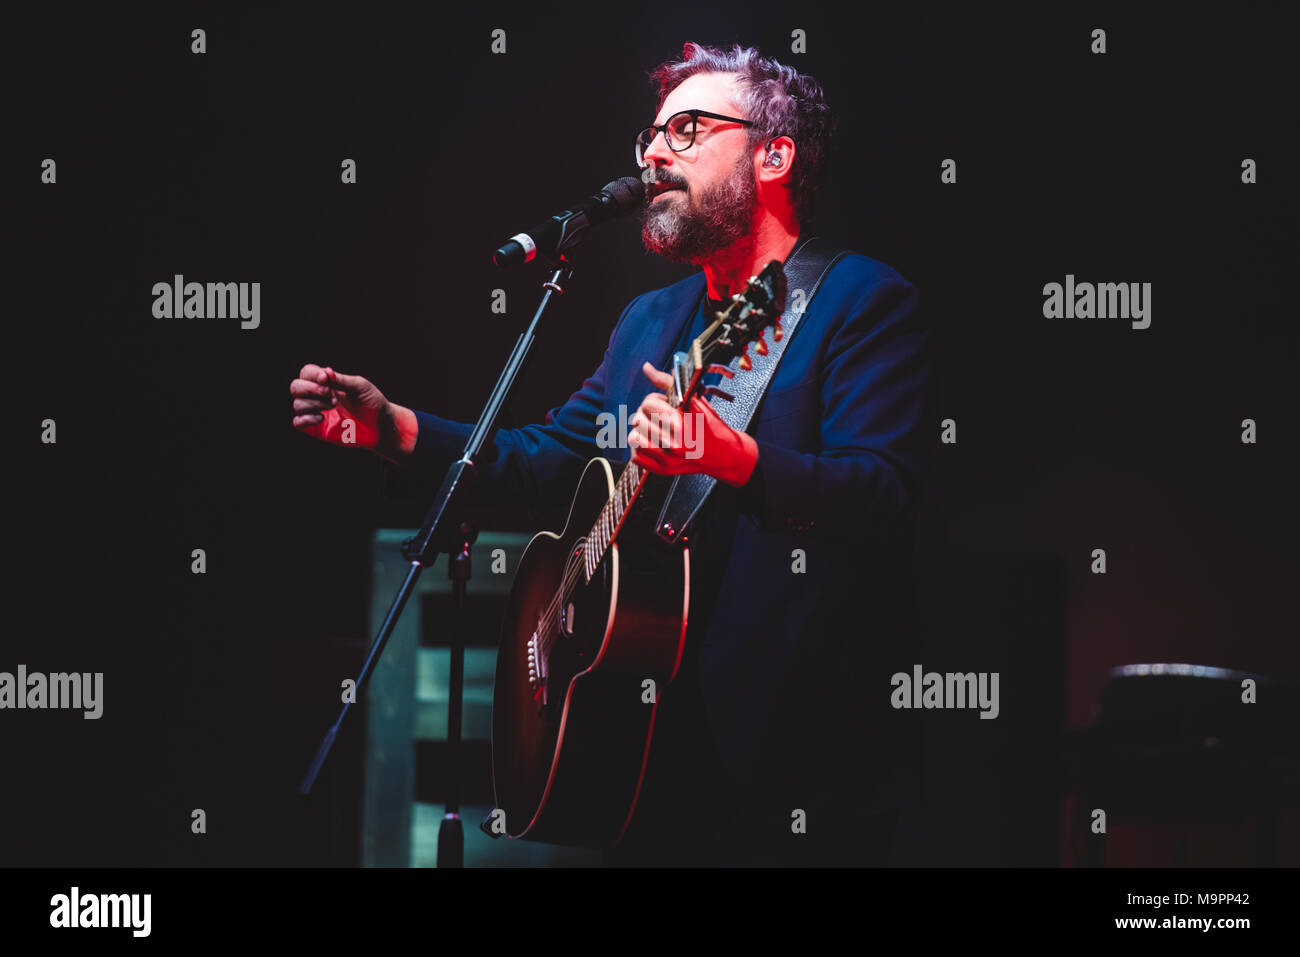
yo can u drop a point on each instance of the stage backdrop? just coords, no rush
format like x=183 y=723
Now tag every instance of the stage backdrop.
x=171 y=531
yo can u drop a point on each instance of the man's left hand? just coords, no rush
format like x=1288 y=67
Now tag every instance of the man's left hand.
x=667 y=441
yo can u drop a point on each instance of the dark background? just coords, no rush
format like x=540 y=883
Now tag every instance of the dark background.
x=175 y=434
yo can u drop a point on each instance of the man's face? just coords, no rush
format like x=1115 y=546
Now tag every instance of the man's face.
x=712 y=204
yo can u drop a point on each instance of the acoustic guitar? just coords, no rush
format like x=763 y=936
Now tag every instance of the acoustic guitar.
x=596 y=622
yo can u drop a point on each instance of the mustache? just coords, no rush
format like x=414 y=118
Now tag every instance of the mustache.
x=654 y=177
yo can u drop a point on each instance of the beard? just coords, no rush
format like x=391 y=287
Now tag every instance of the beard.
x=683 y=231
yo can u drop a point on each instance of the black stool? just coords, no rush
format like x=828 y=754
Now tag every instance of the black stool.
x=1175 y=742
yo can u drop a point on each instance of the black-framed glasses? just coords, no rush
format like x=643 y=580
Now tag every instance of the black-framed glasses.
x=679 y=131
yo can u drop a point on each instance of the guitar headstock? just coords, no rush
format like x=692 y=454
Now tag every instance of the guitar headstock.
x=743 y=321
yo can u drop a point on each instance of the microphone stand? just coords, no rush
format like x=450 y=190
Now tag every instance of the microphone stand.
x=445 y=531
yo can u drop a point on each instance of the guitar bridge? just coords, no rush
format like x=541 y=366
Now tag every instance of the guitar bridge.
x=537 y=668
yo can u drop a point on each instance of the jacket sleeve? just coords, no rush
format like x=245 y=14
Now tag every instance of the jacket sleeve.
x=533 y=466
x=876 y=401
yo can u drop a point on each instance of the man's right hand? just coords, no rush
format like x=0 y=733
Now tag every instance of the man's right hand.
x=349 y=410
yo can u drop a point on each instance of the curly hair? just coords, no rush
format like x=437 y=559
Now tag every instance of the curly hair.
x=779 y=100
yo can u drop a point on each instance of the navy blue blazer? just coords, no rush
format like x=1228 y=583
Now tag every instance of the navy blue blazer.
x=794 y=662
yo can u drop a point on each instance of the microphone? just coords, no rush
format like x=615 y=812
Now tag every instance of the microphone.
x=617 y=198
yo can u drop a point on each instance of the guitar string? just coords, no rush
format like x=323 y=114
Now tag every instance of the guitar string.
x=574 y=569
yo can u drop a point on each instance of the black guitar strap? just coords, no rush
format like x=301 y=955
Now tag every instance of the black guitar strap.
x=805 y=268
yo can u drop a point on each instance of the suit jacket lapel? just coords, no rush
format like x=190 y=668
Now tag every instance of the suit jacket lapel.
x=658 y=334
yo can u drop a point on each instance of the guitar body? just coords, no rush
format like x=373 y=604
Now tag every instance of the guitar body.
x=571 y=727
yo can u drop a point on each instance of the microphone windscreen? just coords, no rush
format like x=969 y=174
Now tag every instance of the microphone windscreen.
x=627 y=194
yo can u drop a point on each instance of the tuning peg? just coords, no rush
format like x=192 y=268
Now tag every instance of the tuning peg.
x=777 y=331
x=720 y=370
x=760 y=346
x=745 y=364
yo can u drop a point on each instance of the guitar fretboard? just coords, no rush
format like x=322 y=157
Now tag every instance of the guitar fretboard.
x=611 y=517
x=683 y=386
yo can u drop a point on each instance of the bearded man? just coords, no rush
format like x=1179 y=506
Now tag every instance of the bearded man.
x=776 y=743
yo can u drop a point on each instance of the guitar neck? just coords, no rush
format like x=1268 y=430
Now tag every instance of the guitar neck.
x=726 y=336
x=611 y=517
x=686 y=375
